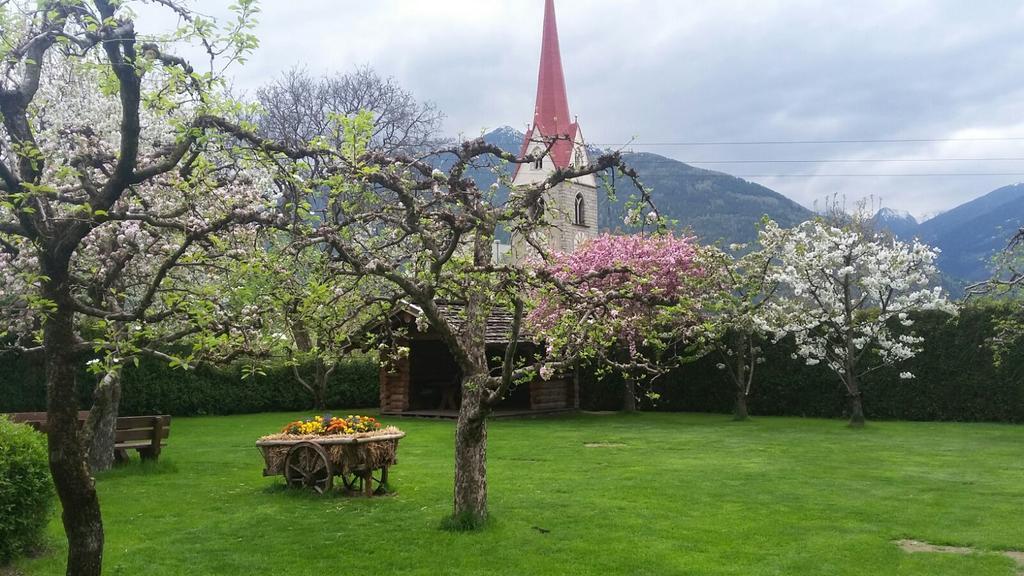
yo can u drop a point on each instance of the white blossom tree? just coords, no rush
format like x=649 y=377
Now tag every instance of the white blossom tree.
x=121 y=200
x=845 y=288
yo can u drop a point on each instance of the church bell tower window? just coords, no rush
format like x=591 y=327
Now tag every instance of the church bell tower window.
x=581 y=210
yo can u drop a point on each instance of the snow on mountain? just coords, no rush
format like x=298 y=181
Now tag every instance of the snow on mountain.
x=900 y=223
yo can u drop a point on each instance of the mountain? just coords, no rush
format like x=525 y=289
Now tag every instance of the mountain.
x=719 y=207
x=900 y=223
x=713 y=205
x=970 y=234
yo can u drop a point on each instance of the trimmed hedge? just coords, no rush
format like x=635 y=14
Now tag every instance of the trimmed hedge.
x=154 y=388
x=956 y=380
x=26 y=494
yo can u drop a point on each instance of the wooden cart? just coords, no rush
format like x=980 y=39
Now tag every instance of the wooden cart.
x=362 y=462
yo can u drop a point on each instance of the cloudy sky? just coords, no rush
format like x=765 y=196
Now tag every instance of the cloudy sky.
x=666 y=73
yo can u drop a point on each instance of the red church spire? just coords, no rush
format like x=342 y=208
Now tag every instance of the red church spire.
x=551 y=117
x=552 y=113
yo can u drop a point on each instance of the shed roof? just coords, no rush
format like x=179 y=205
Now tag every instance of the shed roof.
x=499 y=324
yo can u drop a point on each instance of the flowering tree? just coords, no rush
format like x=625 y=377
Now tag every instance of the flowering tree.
x=623 y=301
x=846 y=286
x=738 y=318
x=413 y=235
x=1005 y=286
x=307 y=315
x=312 y=311
x=120 y=200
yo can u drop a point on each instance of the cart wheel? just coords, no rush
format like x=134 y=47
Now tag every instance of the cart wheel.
x=308 y=466
x=380 y=480
x=365 y=482
x=352 y=482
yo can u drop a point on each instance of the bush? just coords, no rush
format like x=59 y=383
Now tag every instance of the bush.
x=26 y=493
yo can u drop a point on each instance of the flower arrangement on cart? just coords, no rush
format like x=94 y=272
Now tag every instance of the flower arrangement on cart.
x=312 y=453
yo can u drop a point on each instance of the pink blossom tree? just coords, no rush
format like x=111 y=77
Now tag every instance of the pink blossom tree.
x=624 y=302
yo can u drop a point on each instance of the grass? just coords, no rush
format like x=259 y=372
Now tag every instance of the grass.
x=653 y=494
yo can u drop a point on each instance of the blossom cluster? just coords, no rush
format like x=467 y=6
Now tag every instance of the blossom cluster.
x=165 y=248
x=328 y=425
x=615 y=290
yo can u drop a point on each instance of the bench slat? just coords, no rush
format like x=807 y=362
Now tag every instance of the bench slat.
x=138 y=434
x=127 y=422
x=136 y=445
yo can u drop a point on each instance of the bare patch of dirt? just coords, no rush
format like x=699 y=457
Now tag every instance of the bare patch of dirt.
x=912 y=546
x=1017 y=557
x=915 y=546
x=604 y=445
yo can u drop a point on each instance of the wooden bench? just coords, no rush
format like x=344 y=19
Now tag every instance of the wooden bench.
x=145 y=434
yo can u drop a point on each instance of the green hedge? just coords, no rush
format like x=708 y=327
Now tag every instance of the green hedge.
x=956 y=380
x=154 y=388
x=26 y=494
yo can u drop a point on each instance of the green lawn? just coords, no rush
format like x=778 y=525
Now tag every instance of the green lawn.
x=682 y=494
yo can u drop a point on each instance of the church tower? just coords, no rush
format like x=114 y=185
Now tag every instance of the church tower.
x=570 y=209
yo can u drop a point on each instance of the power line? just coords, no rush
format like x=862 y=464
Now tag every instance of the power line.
x=919 y=174
x=798 y=142
x=852 y=161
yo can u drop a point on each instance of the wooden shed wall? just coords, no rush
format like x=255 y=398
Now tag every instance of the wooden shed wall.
x=395 y=388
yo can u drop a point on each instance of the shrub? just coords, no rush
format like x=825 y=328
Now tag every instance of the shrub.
x=26 y=492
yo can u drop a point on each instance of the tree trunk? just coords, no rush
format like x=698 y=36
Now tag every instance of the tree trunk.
x=740 y=348
x=856 y=411
x=856 y=406
x=321 y=373
x=101 y=428
x=741 y=414
x=76 y=489
x=470 y=508
x=850 y=378
x=629 y=396
x=320 y=378
x=471 y=459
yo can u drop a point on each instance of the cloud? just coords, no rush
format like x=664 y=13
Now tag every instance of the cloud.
x=683 y=71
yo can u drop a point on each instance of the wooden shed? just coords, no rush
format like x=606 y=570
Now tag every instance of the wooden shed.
x=427 y=381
